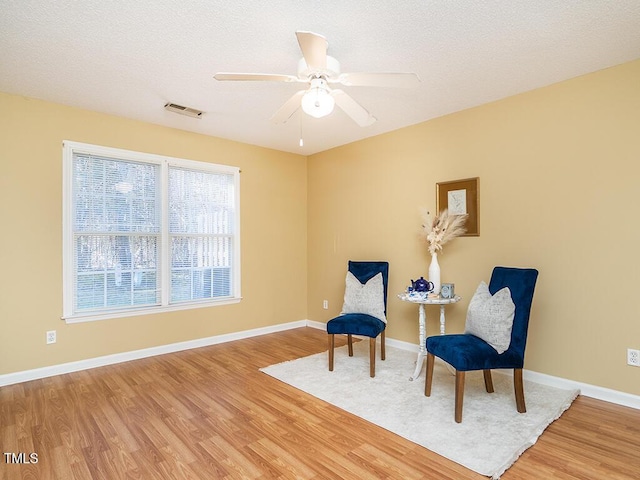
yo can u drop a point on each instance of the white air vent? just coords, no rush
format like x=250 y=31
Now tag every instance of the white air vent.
x=189 y=112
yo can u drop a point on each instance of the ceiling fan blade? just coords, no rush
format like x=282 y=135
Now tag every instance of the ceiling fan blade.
x=314 y=49
x=352 y=108
x=405 y=80
x=289 y=108
x=261 y=77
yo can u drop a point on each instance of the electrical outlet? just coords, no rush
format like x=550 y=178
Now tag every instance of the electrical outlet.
x=51 y=337
x=325 y=304
x=633 y=357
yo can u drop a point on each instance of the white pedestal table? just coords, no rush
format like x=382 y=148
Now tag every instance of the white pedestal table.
x=422 y=322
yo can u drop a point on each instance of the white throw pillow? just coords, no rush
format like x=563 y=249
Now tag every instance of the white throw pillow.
x=491 y=317
x=367 y=298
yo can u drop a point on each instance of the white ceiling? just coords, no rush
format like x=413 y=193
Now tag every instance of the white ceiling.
x=129 y=58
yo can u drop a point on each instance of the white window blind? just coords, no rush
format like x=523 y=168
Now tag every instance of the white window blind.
x=201 y=226
x=116 y=238
x=145 y=233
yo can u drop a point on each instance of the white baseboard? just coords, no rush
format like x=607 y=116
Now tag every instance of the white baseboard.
x=318 y=325
x=44 y=372
x=600 y=393
x=593 y=391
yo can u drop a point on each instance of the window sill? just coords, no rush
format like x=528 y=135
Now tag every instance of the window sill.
x=92 y=317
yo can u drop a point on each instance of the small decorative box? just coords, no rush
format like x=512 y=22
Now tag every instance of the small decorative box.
x=447 y=290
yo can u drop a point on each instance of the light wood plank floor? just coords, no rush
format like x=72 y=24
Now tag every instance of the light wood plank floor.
x=209 y=413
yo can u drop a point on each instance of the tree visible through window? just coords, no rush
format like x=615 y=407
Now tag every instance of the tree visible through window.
x=147 y=232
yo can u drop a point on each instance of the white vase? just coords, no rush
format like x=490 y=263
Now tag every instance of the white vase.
x=434 y=273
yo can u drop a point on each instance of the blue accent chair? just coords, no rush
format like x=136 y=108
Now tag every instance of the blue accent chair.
x=465 y=352
x=361 y=323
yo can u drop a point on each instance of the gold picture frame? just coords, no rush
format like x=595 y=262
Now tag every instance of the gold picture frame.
x=464 y=197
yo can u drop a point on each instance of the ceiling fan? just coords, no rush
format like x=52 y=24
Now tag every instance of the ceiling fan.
x=319 y=71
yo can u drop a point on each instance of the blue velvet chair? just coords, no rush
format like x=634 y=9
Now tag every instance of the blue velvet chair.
x=362 y=323
x=465 y=352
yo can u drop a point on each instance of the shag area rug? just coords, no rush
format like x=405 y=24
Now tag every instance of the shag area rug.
x=492 y=434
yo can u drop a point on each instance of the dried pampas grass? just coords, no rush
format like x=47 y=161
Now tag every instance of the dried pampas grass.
x=442 y=229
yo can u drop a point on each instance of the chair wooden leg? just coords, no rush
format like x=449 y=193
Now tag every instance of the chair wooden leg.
x=488 y=381
x=519 y=388
x=350 y=342
x=372 y=357
x=431 y=359
x=459 y=395
x=383 y=353
x=331 y=345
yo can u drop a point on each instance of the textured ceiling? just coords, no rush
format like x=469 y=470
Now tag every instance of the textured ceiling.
x=129 y=58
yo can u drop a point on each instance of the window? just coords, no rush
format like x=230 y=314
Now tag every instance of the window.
x=145 y=233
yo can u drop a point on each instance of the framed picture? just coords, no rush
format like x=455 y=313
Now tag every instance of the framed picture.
x=461 y=197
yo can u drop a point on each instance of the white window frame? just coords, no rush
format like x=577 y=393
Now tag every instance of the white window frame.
x=71 y=148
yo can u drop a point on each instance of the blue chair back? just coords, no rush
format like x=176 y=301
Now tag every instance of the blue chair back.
x=521 y=282
x=365 y=271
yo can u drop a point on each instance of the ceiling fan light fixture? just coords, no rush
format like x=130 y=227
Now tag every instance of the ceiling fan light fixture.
x=317 y=101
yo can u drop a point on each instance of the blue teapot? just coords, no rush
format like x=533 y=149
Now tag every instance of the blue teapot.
x=422 y=285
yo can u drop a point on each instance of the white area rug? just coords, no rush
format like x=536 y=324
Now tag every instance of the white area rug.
x=492 y=434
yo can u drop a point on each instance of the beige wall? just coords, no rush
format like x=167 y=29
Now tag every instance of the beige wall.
x=558 y=172
x=559 y=169
x=273 y=235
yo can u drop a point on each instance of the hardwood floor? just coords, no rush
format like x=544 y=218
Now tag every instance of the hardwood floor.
x=209 y=413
